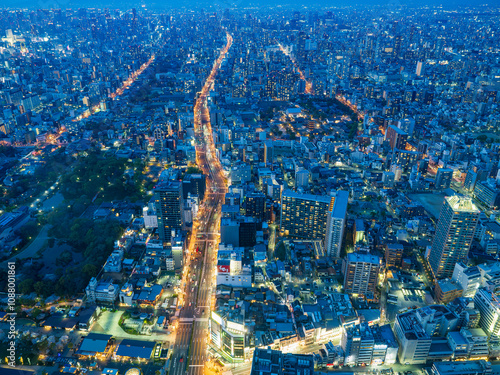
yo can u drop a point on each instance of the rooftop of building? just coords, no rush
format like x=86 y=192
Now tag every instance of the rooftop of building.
x=363 y=257
x=307 y=197
x=447 y=286
x=465 y=367
x=462 y=204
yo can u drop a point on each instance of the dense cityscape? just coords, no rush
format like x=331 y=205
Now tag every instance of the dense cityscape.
x=250 y=190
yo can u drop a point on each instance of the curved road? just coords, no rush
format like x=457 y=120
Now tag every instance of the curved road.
x=190 y=349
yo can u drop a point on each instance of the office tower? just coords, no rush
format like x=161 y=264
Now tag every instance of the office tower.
x=361 y=273
x=247 y=231
x=443 y=178
x=304 y=215
x=301 y=45
x=255 y=205
x=414 y=341
x=229 y=334
x=488 y=193
x=168 y=201
x=335 y=223
x=407 y=125
x=489 y=306
x=270 y=87
x=454 y=233
x=195 y=184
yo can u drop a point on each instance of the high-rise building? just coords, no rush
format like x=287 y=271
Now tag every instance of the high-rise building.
x=454 y=234
x=469 y=279
x=361 y=273
x=168 y=201
x=473 y=176
x=194 y=184
x=393 y=254
x=443 y=178
x=489 y=306
x=335 y=223
x=304 y=215
x=255 y=205
x=488 y=193
x=397 y=138
x=418 y=70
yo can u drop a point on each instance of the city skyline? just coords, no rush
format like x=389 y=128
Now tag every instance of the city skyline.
x=250 y=188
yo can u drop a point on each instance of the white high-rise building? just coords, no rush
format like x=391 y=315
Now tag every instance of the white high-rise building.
x=335 y=223
x=489 y=306
x=469 y=279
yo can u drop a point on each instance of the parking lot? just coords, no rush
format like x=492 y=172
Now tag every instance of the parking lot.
x=108 y=324
x=405 y=291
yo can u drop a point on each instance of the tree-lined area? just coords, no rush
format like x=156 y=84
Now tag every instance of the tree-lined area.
x=78 y=244
x=96 y=175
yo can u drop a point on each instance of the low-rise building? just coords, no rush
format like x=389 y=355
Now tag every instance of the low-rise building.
x=103 y=291
x=462 y=368
x=446 y=291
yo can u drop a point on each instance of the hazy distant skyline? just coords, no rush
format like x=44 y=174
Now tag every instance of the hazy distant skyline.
x=171 y=4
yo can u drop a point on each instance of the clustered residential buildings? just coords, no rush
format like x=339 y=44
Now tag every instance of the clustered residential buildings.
x=362 y=161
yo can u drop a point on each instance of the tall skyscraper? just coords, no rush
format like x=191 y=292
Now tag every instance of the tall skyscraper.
x=335 y=223
x=454 y=233
x=168 y=202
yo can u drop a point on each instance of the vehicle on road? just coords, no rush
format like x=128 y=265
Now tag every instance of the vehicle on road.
x=181 y=359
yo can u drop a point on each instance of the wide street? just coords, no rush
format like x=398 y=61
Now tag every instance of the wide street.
x=190 y=349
